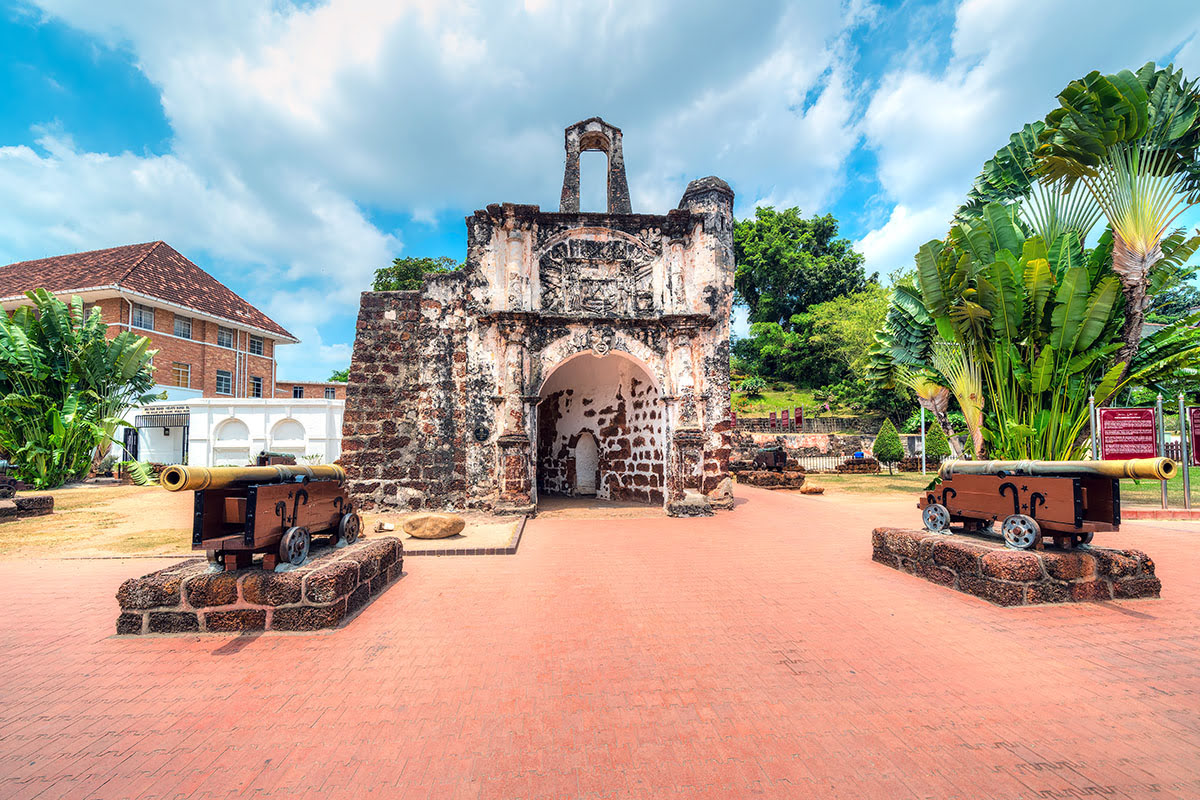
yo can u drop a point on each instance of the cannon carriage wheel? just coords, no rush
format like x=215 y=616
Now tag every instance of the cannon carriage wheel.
x=936 y=517
x=349 y=528
x=1021 y=531
x=293 y=547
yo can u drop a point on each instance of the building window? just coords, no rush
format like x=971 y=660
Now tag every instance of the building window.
x=255 y=386
x=330 y=393
x=181 y=374
x=224 y=381
x=298 y=392
x=183 y=327
x=256 y=345
x=143 y=317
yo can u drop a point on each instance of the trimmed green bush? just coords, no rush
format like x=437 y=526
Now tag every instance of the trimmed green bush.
x=937 y=446
x=888 y=448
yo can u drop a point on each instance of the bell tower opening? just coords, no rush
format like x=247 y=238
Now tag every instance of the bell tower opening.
x=586 y=136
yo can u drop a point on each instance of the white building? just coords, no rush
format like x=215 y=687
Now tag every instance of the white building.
x=210 y=431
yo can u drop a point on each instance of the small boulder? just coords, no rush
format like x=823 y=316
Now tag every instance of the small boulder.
x=810 y=488
x=434 y=526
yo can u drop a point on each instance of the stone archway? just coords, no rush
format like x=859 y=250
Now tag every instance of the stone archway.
x=612 y=400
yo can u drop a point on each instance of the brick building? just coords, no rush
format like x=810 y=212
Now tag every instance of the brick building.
x=575 y=353
x=209 y=340
x=311 y=390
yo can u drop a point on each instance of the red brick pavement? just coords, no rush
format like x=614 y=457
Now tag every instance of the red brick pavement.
x=759 y=652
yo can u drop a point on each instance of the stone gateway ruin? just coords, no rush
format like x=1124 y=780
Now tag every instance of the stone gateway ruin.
x=577 y=353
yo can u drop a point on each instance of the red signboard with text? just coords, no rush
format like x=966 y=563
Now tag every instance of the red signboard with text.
x=1128 y=433
x=799 y=418
x=1194 y=440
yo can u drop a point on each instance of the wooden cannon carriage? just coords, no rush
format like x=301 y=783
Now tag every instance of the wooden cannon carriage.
x=771 y=457
x=1068 y=501
x=273 y=510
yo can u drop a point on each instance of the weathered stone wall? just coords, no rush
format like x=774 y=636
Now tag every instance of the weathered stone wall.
x=984 y=567
x=409 y=407
x=442 y=408
x=332 y=585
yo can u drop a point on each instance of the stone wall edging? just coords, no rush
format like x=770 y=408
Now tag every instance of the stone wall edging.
x=1016 y=577
x=186 y=598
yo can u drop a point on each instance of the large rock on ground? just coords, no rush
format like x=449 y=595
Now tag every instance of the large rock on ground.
x=434 y=526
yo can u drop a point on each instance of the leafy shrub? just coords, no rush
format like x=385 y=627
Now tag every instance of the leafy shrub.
x=140 y=472
x=752 y=387
x=64 y=386
x=913 y=423
x=888 y=448
x=937 y=446
x=105 y=467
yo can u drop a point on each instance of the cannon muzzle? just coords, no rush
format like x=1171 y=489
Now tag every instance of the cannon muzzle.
x=180 y=478
x=1158 y=469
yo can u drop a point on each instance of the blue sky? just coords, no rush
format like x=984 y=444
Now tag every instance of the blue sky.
x=291 y=149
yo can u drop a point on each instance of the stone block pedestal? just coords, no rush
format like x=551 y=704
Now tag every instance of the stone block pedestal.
x=984 y=567
x=187 y=598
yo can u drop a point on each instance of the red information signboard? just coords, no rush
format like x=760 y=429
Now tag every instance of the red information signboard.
x=1128 y=433
x=1194 y=441
x=799 y=418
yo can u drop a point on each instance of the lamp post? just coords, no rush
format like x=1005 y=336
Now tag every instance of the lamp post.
x=1162 y=443
x=922 y=440
x=1184 y=455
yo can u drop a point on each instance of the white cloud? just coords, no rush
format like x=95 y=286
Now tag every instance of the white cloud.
x=72 y=200
x=288 y=121
x=932 y=129
x=890 y=248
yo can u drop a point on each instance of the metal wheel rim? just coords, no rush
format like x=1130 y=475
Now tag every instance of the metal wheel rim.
x=296 y=546
x=936 y=517
x=349 y=528
x=1086 y=538
x=1020 y=532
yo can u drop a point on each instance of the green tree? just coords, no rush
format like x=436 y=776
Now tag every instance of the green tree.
x=845 y=326
x=937 y=446
x=785 y=263
x=340 y=375
x=64 y=387
x=888 y=448
x=407 y=274
x=1174 y=304
x=1132 y=142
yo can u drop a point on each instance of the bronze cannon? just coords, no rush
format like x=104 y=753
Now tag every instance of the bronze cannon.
x=275 y=510
x=1068 y=501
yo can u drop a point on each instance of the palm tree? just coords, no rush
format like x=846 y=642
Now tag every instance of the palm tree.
x=1130 y=141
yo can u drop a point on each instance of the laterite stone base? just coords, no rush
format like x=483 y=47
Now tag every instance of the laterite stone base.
x=187 y=598
x=26 y=505
x=987 y=569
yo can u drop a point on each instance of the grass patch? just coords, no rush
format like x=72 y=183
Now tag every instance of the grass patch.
x=117 y=520
x=902 y=483
x=1149 y=493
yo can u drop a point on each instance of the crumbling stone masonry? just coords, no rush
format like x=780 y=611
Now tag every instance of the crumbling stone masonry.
x=576 y=353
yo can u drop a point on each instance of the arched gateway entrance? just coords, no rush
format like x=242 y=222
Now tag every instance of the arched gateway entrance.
x=600 y=423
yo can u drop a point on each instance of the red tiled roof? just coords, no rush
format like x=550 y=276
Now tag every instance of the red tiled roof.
x=154 y=269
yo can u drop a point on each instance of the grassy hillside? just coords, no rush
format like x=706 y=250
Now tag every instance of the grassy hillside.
x=778 y=399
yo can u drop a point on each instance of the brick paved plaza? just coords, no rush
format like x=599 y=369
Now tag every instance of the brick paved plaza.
x=756 y=653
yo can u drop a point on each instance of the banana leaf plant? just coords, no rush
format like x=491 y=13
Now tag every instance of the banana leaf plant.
x=1023 y=331
x=1131 y=142
x=64 y=387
